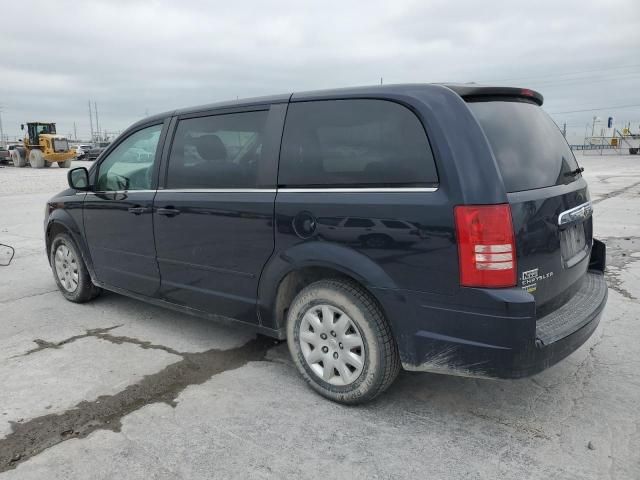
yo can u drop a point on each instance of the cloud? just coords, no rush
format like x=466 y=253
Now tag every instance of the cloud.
x=140 y=56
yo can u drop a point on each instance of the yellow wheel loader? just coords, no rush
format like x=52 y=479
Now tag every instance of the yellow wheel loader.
x=42 y=147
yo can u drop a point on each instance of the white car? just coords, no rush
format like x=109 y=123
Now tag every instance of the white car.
x=370 y=232
x=81 y=151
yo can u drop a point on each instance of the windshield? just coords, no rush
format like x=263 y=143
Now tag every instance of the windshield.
x=530 y=149
x=45 y=128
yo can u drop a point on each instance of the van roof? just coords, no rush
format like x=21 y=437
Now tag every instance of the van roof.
x=468 y=91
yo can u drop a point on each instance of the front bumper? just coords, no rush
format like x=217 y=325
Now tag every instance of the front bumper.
x=59 y=157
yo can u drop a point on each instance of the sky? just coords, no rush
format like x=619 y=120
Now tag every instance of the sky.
x=136 y=58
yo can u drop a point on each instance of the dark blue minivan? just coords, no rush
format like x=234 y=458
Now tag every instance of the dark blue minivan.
x=438 y=228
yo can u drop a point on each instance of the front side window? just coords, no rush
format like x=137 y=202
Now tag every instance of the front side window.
x=130 y=165
x=217 y=151
x=354 y=143
x=45 y=129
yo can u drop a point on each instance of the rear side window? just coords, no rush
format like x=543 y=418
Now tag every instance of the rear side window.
x=530 y=150
x=354 y=143
x=218 y=151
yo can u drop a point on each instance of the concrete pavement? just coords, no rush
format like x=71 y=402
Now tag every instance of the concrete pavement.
x=120 y=389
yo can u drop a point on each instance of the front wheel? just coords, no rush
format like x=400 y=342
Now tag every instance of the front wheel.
x=70 y=272
x=36 y=159
x=341 y=343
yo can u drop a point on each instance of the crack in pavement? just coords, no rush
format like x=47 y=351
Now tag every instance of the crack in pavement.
x=30 y=438
x=619 y=256
x=614 y=193
x=102 y=333
x=4 y=302
x=44 y=344
x=523 y=427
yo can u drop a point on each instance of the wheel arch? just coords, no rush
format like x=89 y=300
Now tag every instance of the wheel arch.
x=288 y=272
x=60 y=221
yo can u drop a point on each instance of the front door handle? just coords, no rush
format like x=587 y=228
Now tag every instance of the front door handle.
x=138 y=210
x=168 y=211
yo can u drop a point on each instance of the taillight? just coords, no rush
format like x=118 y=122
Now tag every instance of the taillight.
x=486 y=245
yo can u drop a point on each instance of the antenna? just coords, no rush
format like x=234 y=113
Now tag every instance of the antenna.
x=91 y=120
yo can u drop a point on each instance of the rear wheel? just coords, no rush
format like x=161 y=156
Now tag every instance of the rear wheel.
x=70 y=271
x=36 y=159
x=18 y=158
x=65 y=164
x=341 y=342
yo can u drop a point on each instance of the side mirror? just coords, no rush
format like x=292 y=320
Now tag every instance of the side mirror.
x=22 y=126
x=6 y=255
x=78 y=178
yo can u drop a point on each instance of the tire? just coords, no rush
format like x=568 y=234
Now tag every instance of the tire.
x=74 y=272
x=377 y=353
x=47 y=164
x=36 y=159
x=18 y=158
x=65 y=164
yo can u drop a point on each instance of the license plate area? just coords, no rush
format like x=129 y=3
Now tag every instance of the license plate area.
x=573 y=244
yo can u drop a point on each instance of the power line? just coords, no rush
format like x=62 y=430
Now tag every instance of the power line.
x=595 y=109
x=569 y=81
x=555 y=75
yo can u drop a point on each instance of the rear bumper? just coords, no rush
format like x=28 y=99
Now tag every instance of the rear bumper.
x=508 y=343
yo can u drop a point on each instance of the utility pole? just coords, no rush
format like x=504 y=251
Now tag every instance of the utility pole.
x=95 y=107
x=593 y=125
x=75 y=132
x=380 y=80
x=1 y=129
x=586 y=129
x=91 y=121
x=564 y=129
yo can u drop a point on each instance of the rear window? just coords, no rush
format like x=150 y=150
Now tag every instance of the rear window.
x=354 y=143
x=530 y=149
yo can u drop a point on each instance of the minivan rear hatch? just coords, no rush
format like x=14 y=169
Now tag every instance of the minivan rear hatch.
x=549 y=199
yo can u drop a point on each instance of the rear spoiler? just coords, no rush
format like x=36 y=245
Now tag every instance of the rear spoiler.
x=477 y=92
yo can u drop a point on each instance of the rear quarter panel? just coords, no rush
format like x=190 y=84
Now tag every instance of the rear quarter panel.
x=429 y=262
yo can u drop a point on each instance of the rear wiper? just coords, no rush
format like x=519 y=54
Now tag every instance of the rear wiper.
x=575 y=172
